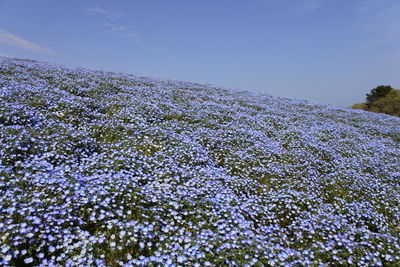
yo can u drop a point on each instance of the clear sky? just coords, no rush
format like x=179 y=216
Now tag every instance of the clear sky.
x=326 y=51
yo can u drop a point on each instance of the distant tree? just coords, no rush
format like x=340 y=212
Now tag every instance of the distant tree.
x=389 y=104
x=376 y=93
x=382 y=99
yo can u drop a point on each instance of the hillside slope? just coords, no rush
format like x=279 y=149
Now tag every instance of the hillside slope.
x=101 y=168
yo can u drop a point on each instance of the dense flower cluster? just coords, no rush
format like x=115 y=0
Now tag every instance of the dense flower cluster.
x=111 y=169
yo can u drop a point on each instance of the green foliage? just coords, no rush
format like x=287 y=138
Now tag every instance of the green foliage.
x=359 y=106
x=376 y=93
x=382 y=99
x=389 y=104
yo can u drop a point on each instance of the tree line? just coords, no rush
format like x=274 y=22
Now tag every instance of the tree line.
x=381 y=99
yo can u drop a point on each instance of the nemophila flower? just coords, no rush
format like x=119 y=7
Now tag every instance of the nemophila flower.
x=7 y=257
x=105 y=169
x=28 y=260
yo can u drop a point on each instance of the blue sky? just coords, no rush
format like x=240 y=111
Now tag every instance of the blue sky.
x=325 y=51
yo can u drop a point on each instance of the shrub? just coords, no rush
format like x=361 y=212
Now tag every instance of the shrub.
x=382 y=99
x=359 y=106
x=376 y=93
x=389 y=104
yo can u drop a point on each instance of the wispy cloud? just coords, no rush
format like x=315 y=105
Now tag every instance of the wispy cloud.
x=106 y=13
x=115 y=28
x=96 y=10
x=112 y=24
x=114 y=16
x=308 y=6
x=13 y=40
x=380 y=21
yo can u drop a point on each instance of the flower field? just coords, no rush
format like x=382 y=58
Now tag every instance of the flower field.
x=108 y=169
